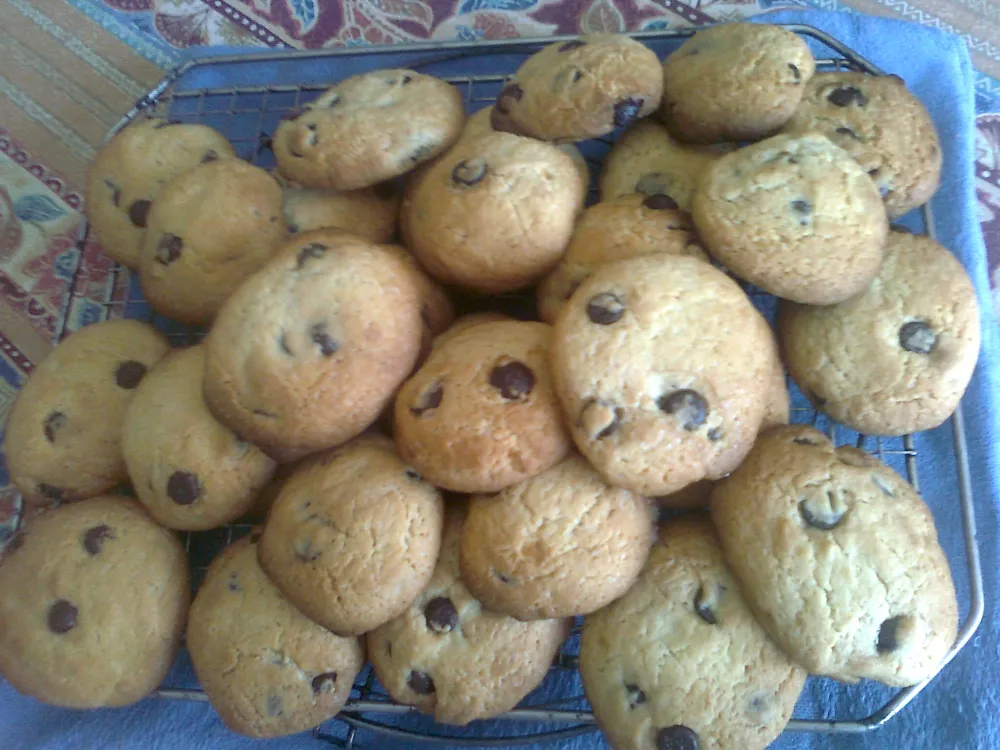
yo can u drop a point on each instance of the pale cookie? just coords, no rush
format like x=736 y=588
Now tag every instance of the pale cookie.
x=658 y=394
x=310 y=349
x=883 y=126
x=794 y=215
x=734 y=82
x=266 y=668
x=579 y=89
x=208 y=230
x=451 y=657
x=93 y=600
x=368 y=129
x=647 y=160
x=63 y=436
x=839 y=557
x=560 y=544
x=494 y=214
x=369 y=212
x=898 y=357
x=624 y=227
x=679 y=663
x=352 y=537
x=130 y=171
x=481 y=414
x=190 y=472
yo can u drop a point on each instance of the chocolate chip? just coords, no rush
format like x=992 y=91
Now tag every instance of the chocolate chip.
x=325 y=682
x=441 y=615
x=421 y=153
x=845 y=96
x=309 y=252
x=873 y=173
x=715 y=434
x=703 y=608
x=827 y=512
x=600 y=420
x=503 y=578
x=116 y=194
x=305 y=551
x=847 y=132
x=50 y=492
x=689 y=406
x=514 y=380
x=469 y=172
x=405 y=80
x=802 y=207
x=138 y=212
x=54 y=422
x=283 y=344
x=795 y=72
x=511 y=93
x=677 y=737
x=412 y=474
x=210 y=155
x=605 y=308
x=660 y=202
x=572 y=44
x=887 y=632
x=804 y=441
x=636 y=697
x=93 y=538
x=576 y=76
x=431 y=399
x=917 y=337
x=183 y=487
x=420 y=683
x=274 y=705
x=62 y=617
x=626 y=111
x=168 y=249
x=233 y=583
x=328 y=346
x=130 y=374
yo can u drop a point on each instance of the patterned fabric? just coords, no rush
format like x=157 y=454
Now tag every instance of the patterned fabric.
x=71 y=67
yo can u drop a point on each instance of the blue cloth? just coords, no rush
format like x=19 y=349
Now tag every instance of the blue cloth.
x=960 y=710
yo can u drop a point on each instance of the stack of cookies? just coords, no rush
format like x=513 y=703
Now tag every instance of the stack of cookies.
x=461 y=400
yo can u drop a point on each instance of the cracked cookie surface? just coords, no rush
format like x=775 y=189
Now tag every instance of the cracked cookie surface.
x=267 y=669
x=679 y=662
x=63 y=436
x=307 y=353
x=131 y=170
x=839 y=558
x=883 y=126
x=795 y=215
x=452 y=657
x=656 y=393
x=368 y=129
x=560 y=544
x=898 y=357
x=353 y=536
x=734 y=82
x=93 y=600
x=579 y=89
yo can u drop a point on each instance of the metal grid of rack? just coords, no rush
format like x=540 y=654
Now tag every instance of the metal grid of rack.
x=248 y=114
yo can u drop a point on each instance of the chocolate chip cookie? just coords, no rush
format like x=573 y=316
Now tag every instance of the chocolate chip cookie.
x=883 y=126
x=647 y=160
x=266 y=668
x=208 y=230
x=63 y=436
x=656 y=392
x=452 y=657
x=481 y=414
x=560 y=544
x=839 y=557
x=734 y=82
x=370 y=212
x=579 y=89
x=620 y=228
x=307 y=353
x=367 y=129
x=190 y=472
x=898 y=357
x=794 y=215
x=93 y=599
x=679 y=663
x=353 y=536
x=131 y=169
x=494 y=214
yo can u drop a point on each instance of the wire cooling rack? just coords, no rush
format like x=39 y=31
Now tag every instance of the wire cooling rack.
x=237 y=96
